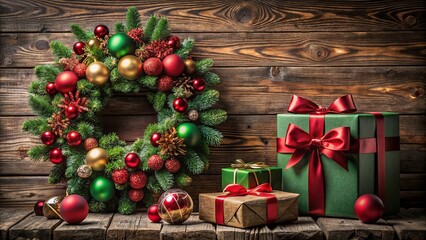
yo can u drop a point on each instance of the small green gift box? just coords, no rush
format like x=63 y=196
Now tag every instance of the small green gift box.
x=250 y=175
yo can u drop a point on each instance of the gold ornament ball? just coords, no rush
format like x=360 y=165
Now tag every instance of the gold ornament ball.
x=97 y=73
x=84 y=171
x=189 y=66
x=94 y=42
x=51 y=207
x=130 y=67
x=97 y=158
x=175 y=206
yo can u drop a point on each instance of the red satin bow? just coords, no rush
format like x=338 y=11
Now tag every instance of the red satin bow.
x=332 y=145
x=344 y=104
x=234 y=190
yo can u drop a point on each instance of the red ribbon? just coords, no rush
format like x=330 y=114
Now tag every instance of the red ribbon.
x=381 y=155
x=332 y=144
x=234 y=190
x=344 y=104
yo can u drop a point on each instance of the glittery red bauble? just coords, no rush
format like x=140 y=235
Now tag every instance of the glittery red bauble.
x=120 y=176
x=48 y=138
x=101 y=31
x=154 y=138
x=172 y=165
x=155 y=162
x=71 y=112
x=173 y=42
x=369 y=208
x=153 y=66
x=74 y=138
x=153 y=213
x=165 y=83
x=50 y=88
x=80 y=70
x=66 y=82
x=78 y=48
x=38 y=208
x=56 y=156
x=138 y=180
x=173 y=65
x=199 y=84
x=74 y=209
x=132 y=160
x=180 y=105
x=90 y=143
x=136 y=195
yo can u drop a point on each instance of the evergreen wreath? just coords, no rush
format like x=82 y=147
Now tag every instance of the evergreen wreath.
x=68 y=97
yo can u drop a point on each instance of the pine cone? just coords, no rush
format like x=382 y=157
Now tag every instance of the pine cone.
x=159 y=49
x=58 y=124
x=136 y=34
x=170 y=144
x=185 y=82
x=69 y=63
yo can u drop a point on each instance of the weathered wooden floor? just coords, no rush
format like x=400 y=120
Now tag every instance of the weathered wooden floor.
x=23 y=224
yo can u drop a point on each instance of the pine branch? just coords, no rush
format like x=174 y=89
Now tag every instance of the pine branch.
x=147 y=200
x=85 y=129
x=57 y=173
x=159 y=101
x=111 y=62
x=93 y=53
x=148 y=81
x=149 y=28
x=125 y=205
x=125 y=86
x=39 y=153
x=194 y=163
x=133 y=19
x=37 y=87
x=80 y=33
x=165 y=179
x=114 y=165
x=211 y=78
x=60 y=50
x=203 y=65
x=97 y=206
x=161 y=29
x=35 y=126
x=205 y=100
x=41 y=105
x=85 y=87
x=153 y=185
x=120 y=28
x=111 y=140
x=116 y=153
x=186 y=48
x=183 y=180
x=47 y=73
x=212 y=136
x=213 y=117
x=138 y=145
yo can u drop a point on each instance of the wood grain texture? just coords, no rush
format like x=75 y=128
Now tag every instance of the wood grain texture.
x=254 y=49
x=192 y=229
x=265 y=90
x=220 y=16
x=9 y=217
x=133 y=227
x=302 y=229
x=92 y=228
x=408 y=226
x=34 y=227
x=342 y=229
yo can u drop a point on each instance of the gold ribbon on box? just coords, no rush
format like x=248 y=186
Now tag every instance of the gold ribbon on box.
x=240 y=164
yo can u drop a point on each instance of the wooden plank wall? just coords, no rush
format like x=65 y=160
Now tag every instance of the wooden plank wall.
x=265 y=51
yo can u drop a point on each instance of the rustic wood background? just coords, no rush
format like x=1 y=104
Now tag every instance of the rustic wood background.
x=264 y=51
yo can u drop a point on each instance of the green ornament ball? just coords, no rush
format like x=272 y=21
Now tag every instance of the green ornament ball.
x=120 y=45
x=102 y=189
x=190 y=133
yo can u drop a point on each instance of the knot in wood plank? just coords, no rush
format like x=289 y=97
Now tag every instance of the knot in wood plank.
x=410 y=20
x=318 y=53
x=42 y=45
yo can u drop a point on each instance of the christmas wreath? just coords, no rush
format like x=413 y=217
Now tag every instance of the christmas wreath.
x=68 y=97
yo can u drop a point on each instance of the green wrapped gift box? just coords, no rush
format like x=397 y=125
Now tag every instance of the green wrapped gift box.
x=250 y=178
x=364 y=174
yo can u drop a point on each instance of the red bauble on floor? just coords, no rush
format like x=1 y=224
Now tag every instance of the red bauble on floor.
x=173 y=65
x=66 y=82
x=74 y=209
x=56 y=156
x=153 y=213
x=48 y=138
x=38 y=208
x=132 y=160
x=74 y=138
x=369 y=208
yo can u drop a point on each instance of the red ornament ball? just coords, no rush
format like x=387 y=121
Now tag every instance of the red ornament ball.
x=173 y=65
x=199 y=84
x=173 y=202
x=153 y=213
x=101 y=31
x=172 y=165
x=50 y=88
x=78 y=48
x=74 y=138
x=120 y=176
x=71 y=112
x=66 y=82
x=173 y=42
x=74 y=209
x=132 y=160
x=80 y=70
x=369 y=208
x=138 y=180
x=136 y=195
x=180 y=105
x=56 y=156
x=165 y=83
x=38 y=208
x=48 y=138
x=153 y=66
x=155 y=162
x=154 y=138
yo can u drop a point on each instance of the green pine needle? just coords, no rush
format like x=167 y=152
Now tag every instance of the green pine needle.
x=41 y=105
x=85 y=129
x=153 y=185
x=120 y=28
x=161 y=29
x=205 y=100
x=35 y=126
x=185 y=48
x=133 y=19
x=149 y=28
x=159 y=101
x=138 y=145
x=203 y=65
x=148 y=81
x=125 y=205
x=165 y=179
x=97 y=206
x=183 y=180
x=194 y=163
x=39 y=153
x=47 y=73
x=212 y=136
x=213 y=117
x=57 y=173
x=60 y=50
x=111 y=140
x=80 y=34
x=148 y=200
x=211 y=78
